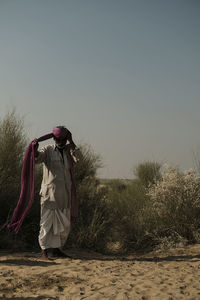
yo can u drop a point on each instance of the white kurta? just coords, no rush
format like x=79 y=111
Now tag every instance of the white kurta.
x=55 y=198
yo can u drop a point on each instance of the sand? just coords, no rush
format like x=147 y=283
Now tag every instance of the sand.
x=173 y=274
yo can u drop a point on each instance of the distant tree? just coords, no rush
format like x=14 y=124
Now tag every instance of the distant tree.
x=148 y=172
x=87 y=167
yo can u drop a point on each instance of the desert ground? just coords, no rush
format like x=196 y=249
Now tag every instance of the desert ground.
x=171 y=274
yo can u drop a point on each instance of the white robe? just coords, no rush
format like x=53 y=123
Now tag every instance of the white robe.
x=55 y=198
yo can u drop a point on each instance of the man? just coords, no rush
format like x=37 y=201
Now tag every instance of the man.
x=58 y=193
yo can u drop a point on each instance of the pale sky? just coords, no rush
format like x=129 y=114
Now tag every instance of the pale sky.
x=122 y=75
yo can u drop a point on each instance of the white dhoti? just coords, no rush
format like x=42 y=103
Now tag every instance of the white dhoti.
x=54 y=227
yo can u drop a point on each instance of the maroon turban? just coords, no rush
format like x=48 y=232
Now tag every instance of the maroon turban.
x=60 y=132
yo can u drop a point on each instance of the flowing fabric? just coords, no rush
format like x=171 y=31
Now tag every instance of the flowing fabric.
x=27 y=186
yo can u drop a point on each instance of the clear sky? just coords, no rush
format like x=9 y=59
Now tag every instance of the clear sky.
x=122 y=75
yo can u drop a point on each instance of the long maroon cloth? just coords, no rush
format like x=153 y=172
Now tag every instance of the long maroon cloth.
x=27 y=186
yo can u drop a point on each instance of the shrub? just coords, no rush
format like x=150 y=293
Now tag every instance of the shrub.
x=128 y=212
x=148 y=172
x=92 y=222
x=12 y=143
x=176 y=205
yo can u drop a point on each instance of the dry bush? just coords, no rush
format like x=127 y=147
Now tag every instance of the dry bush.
x=176 y=205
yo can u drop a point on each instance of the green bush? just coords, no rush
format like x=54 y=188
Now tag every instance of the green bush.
x=148 y=172
x=129 y=213
x=12 y=143
x=91 y=225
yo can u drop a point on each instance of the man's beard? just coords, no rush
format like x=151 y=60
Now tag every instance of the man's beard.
x=61 y=146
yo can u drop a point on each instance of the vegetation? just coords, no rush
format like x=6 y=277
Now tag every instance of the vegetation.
x=155 y=209
x=148 y=173
x=92 y=222
x=176 y=206
x=12 y=144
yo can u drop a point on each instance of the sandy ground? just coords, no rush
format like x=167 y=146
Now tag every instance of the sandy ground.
x=173 y=274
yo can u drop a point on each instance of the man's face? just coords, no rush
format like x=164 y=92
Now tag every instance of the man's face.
x=60 y=143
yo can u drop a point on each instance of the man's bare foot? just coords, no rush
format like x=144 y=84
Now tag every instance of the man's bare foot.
x=44 y=255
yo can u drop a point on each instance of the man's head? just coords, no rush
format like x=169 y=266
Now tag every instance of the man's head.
x=60 y=135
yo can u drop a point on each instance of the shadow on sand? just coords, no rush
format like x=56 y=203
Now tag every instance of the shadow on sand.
x=27 y=262
x=143 y=258
x=33 y=259
x=30 y=298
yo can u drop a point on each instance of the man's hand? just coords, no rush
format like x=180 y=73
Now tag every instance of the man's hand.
x=36 y=144
x=69 y=137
